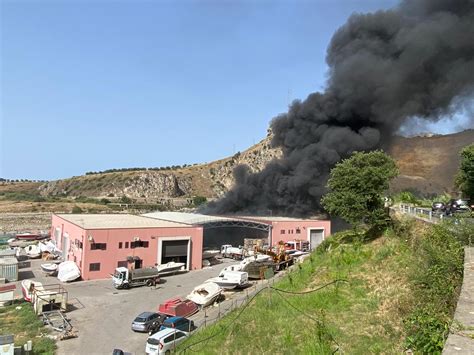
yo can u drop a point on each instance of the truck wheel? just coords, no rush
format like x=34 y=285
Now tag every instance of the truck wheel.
x=150 y=283
x=126 y=286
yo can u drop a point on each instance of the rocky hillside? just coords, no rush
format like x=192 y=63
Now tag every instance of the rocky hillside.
x=209 y=180
x=427 y=165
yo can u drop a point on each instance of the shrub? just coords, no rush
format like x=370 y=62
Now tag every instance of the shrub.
x=77 y=209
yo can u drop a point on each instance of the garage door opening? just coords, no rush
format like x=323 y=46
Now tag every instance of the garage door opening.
x=175 y=250
x=216 y=237
x=316 y=237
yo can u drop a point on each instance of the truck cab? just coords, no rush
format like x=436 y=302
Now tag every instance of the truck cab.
x=120 y=277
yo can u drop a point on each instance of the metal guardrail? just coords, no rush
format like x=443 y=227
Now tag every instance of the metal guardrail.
x=425 y=214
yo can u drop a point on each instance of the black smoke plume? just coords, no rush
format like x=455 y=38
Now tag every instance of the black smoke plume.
x=415 y=60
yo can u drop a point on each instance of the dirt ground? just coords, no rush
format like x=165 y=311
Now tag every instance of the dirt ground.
x=25 y=222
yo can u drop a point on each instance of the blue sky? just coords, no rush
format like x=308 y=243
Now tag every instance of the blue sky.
x=92 y=85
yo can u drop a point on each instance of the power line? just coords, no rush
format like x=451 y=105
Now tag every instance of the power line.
x=250 y=301
x=309 y=291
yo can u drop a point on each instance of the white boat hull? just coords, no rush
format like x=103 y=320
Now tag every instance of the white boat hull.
x=49 y=268
x=68 y=271
x=205 y=294
x=170 y=267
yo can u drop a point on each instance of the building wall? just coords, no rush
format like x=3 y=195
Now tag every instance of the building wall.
x=288 y=230
x=110 y=257
x=63 y=231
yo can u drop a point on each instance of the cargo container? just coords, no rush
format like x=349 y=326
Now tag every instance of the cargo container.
x=7 y=253
x=9 y=269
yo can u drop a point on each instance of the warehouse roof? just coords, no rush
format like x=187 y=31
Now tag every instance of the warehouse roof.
x=196 y=218
x=278 y=218
x=116 y=221
x=189 y=218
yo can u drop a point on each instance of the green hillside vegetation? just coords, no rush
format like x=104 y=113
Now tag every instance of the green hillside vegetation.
x=400 y=293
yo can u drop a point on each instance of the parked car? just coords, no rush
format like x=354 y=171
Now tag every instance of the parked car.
x=180 y=323
x=143 y=321
x=459 y=205
x=438 y=207
x=155 y=327
x=164 y=341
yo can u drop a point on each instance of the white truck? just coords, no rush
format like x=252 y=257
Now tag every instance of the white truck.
x=237 y=253
x=125 y=278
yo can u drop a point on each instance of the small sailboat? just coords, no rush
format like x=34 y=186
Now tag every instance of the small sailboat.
x=68 y=271
x=28 y=287
x=33 y=251
x=170 y=267
x=49 y=268
x=205 y=294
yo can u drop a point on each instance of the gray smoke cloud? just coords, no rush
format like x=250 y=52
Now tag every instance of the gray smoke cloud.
x=385 y=67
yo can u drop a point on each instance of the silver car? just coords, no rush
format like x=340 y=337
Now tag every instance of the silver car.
x=143 y=321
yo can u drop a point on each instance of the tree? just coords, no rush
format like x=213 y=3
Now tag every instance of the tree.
x=465 y=175
x=199 y=200
x=356 y=187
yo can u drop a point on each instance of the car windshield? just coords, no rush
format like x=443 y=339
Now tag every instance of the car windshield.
x=168 y=324
x=153 y=341
x=140 y=320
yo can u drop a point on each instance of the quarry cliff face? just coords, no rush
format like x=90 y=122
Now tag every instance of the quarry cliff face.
x=427 y=164
x=210 y=180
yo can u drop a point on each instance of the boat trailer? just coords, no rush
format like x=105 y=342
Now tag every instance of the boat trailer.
x=58 y=321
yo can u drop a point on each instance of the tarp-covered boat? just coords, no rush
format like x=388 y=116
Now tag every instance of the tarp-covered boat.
x=68 y=271
x=176 y=307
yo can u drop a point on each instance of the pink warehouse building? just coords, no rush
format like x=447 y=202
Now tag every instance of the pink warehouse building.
x=98 y=243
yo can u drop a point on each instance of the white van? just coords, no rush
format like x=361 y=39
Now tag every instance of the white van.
x=164 y=341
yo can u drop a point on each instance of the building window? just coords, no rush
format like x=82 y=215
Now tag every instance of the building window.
x=298 y=231
x=139 y=244
x=120 y=245
x=98 y=246
x=94 y=267
x=126 y=245
x=282 y=231
x=122 y=264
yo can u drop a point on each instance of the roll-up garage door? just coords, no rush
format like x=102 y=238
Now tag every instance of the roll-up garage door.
x=172 y=248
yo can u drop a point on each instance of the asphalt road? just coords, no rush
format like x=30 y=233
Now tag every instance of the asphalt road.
x=102 y=315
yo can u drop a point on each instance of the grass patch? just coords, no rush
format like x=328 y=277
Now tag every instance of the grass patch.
x=399 y=289
x=26 y=325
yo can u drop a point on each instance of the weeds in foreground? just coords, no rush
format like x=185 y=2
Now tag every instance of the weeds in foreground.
x=25 y=325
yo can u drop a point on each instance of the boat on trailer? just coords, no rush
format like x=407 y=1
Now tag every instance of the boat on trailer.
x=205 y=294
x=177 y=307
x=229 y=280
x=31 y=236
x=49 y=268
x=170 y=267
